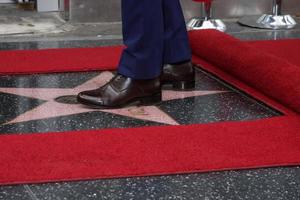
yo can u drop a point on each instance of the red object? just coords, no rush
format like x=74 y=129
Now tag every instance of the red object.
x=270 y=67
x=36 y=158
x=59 y=60
x=288 y=49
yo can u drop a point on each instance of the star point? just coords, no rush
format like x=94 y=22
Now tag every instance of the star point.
x=51 y=108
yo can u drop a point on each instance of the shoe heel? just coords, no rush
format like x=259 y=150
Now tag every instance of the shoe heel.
x=184 y=85
x=151 y=99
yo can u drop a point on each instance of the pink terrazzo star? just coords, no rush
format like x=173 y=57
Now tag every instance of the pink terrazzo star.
x=53 y=108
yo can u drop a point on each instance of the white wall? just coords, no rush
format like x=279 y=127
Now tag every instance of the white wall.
x=7 y=1
x=47 y=5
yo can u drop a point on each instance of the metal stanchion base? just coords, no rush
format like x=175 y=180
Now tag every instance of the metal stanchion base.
x=269 y=21
x=200 y=23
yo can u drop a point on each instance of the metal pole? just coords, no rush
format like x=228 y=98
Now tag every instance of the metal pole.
x=207 y=7
x=277 y=7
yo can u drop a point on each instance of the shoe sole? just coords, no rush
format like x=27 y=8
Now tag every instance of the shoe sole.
x=181 y=85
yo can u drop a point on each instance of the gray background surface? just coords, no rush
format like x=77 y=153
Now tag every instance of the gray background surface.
x=109 y=10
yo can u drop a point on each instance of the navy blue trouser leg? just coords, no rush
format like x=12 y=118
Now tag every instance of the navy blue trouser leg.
x=176 y=44
x=154 y=33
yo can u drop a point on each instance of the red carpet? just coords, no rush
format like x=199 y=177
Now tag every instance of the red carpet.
x=59 y=60
x=259 y=65
x=260 y=68
x=149 y=151
x=284 y=49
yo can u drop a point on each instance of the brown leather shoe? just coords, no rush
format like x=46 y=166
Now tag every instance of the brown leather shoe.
x=122 y=91
x=180 y=76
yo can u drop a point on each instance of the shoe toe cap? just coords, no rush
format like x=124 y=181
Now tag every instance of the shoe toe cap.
x=85 y=98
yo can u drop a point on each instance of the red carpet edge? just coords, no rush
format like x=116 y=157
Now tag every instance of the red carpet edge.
x=86 y=155
x=271 y=74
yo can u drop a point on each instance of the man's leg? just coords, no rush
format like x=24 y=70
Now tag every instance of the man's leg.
x=143 y=35
x=178 y=70
x=138 y=79
x=176 y=44
x=151 y=29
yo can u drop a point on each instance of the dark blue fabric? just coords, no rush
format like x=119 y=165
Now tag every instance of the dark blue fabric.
x=154 y=33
